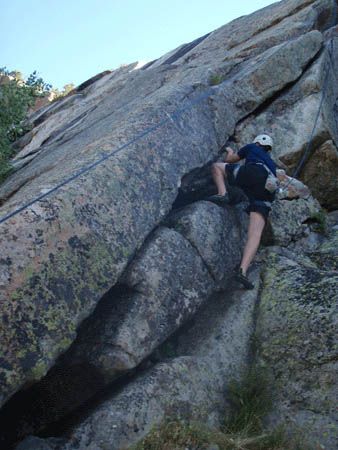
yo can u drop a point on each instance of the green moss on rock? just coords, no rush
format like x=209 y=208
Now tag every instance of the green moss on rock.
x=296 y=336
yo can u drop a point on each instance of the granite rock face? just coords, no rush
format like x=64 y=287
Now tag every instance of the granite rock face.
x=217 y=234
x=290 y=187
x=291 y=116
x=190 y=384
x=124 y=157
x=296 y=329
x=175 y=271
x=168 y=281
x=288 y=219
x=291 y=119
x=321 y=174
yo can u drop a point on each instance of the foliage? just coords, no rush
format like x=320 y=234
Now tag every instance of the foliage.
x=178 y=435
x=67 y=88
x=16 y=97
x=251 y=401
x=320 y=220
x=38 y=86
x=243 y=431
x=14 y=74
x=215 y=79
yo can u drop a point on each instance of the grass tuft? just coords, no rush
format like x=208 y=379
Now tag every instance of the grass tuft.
x=243 y=431
x=251 y=401
x=178 y=435
x=320 y=222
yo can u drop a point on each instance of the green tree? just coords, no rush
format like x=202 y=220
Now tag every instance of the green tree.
x=16 y=96
x=39 y=87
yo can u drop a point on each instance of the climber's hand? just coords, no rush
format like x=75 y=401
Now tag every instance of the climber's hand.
x=231 y=156
x=229 y=153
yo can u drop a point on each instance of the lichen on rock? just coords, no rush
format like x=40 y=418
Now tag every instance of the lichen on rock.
x=105 y=167
x=296 y=330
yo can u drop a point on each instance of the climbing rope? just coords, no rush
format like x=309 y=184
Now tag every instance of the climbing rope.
x=308 y=147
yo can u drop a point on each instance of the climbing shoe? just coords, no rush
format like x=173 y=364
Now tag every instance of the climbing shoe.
x=219 y=199
x=243 y=279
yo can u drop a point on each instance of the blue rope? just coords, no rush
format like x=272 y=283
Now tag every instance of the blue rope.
x=308 y=147
x=325 y=85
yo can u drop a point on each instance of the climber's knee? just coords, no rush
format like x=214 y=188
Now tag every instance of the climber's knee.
x=218 y=168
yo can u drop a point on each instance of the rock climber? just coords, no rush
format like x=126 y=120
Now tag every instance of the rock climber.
x=251 y=178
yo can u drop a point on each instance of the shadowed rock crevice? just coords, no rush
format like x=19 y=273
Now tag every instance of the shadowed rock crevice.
x=196 y=185
x=65 y=393
x=174 y=56
x=45 y=403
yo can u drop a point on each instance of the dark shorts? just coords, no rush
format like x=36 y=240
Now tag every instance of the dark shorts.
x=251 y=179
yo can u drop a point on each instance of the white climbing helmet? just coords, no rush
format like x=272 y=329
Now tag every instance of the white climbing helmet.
x=263 y=139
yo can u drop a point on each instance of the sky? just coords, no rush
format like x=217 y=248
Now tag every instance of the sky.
x=69 y=41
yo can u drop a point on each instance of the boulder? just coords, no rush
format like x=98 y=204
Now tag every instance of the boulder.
x=296 y=331
x=288 y=220
x=218 y=234
x=173 y=274
x=169 y=279
x=290 y=187
x=69 y=249
x=167 y=283
x=258 y=81
x=259 y=78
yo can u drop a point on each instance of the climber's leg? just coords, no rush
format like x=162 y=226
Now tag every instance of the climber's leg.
x=256 y=226
x=218 y=172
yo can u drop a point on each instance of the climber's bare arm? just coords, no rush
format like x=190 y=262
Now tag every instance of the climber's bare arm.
x=231 y=156
x=281 y=165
